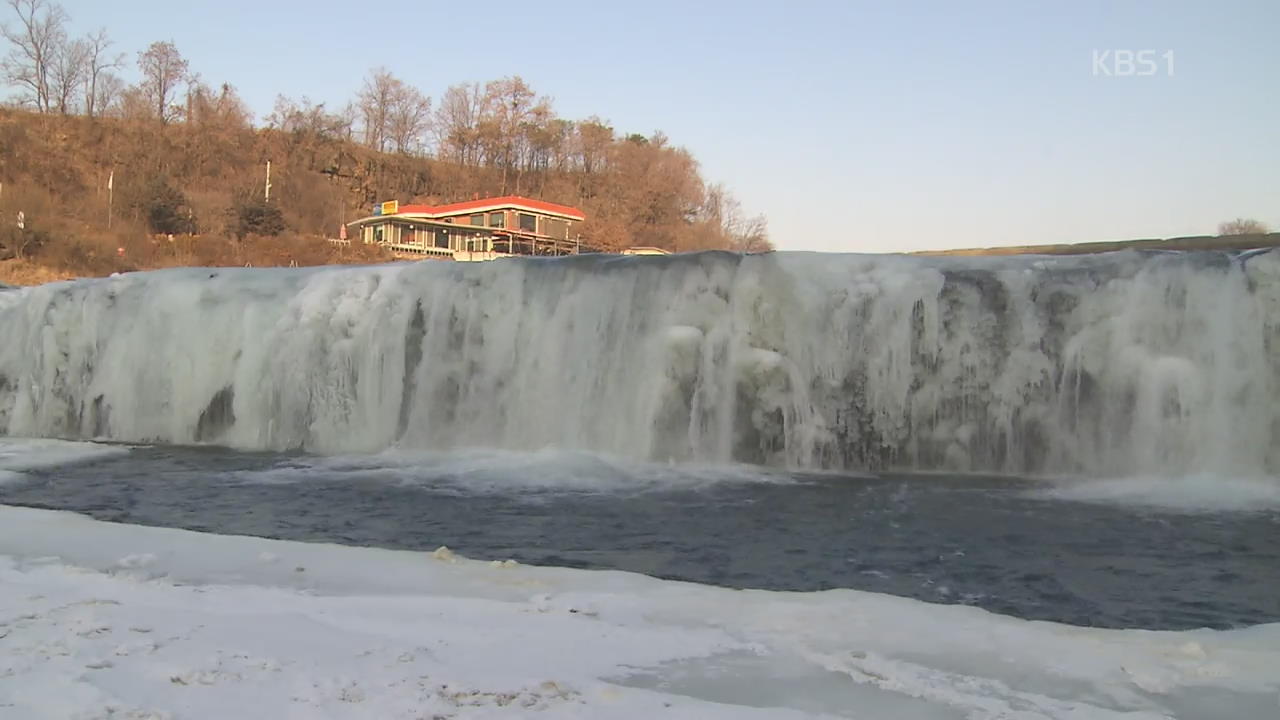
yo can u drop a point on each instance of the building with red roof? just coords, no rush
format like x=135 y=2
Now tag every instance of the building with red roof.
x=475 y=229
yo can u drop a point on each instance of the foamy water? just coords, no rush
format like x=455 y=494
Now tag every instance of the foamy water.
x=19 y=455
x=499 y=471
x=1188 y=493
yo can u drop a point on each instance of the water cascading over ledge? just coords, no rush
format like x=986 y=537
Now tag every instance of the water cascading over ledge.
x=1111 y=364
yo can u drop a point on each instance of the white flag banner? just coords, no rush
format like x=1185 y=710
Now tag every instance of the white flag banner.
x=111 y=180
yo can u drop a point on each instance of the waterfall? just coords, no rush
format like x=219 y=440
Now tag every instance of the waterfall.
x=1096 y=365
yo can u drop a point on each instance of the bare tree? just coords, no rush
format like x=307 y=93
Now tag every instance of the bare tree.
x=195 y=86
x=396 y=115
x=70 y=63
x=375 y=100
x=303 y=117
x=593 y=139
x=510 y=106
x=457 y=123
x=721 y=223
x=35 y=39
x=163 y=69
x=220 y=108
x=738 y=232
x=286 y=115
x=133 y=104
x=1243 y=226
x=107 y=92
x=345 y=121
x=541 y=138
x=98 y=60
x=752 y=236
x=408 y=119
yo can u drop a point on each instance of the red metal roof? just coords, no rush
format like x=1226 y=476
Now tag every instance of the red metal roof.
x=513 y=200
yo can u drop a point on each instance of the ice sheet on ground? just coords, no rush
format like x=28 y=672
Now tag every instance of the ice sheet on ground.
x=18 y=455
x=103 y=620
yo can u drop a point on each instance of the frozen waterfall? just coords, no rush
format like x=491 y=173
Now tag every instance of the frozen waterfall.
x=1111 y=364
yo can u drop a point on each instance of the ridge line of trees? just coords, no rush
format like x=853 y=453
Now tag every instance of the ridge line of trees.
x=504 y=136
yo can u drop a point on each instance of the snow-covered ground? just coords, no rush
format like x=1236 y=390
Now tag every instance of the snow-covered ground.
x=99 y=620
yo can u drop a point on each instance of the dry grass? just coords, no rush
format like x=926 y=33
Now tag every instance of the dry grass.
x=55 y=169
x=25 y=272
x=97 y=258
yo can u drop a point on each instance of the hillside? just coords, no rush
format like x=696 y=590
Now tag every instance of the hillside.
x=106 y=194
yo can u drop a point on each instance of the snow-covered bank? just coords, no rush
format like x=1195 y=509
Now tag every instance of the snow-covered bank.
x=104 y=620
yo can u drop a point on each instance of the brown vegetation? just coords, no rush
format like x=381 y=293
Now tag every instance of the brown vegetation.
x=24 y=272
x=105 y=174
x=1243 y=226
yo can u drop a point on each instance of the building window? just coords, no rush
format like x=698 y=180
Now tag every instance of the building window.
x=528 y=222
x=558 y=229
x=497 y=219
x=442 y=239
x=477 y=220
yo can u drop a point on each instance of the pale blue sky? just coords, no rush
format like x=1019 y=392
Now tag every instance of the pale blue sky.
x=857 y=126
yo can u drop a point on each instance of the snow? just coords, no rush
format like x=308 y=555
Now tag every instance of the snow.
x=101 y=620
x=18 y=455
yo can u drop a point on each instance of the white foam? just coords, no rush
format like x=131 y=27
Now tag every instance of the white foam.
x=204 y=628
x=495 y=471
x=1188 y=493
x=19 y=455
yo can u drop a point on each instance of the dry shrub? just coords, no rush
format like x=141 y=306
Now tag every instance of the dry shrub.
x=25 y=272
x=636 y=191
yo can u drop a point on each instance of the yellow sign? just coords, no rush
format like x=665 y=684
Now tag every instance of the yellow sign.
x=390 y=207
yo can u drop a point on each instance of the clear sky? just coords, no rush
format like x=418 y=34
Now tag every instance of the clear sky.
x=854 y=126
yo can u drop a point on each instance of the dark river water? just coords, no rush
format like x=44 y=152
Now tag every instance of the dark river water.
x=1011 y=546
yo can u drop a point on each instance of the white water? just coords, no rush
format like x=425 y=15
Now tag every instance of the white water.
x=1110 y=365
x=1189 y=493
x=501 y=472
x=20 y=456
